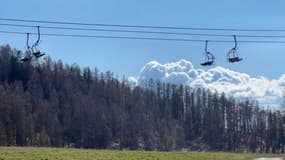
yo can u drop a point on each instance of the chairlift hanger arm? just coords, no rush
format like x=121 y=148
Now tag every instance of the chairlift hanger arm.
x=39 y=34
x=235 y=39
x=27 y=43
x=206 y=46
x=39 y=37
x=38 y=40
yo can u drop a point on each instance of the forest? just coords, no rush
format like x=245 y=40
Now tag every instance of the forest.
x=51 y=104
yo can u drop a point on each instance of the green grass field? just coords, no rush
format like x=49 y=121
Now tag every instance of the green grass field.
x=29 y=153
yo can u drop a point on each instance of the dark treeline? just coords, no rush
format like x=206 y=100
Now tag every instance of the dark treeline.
x=59 y=105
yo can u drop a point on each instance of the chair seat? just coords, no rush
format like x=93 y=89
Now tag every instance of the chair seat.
x=207 y=63
x=38 y=54
x=234 y=59
x=26 y=59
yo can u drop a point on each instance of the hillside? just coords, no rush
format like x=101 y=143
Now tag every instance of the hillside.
x=52 y=104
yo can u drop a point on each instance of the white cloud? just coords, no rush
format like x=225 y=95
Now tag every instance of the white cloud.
x=132 y=81
x=239 y=85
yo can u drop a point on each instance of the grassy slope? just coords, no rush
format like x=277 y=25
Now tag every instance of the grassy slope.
x=28 y=153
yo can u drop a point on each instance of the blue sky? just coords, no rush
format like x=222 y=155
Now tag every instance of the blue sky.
x=126 y=57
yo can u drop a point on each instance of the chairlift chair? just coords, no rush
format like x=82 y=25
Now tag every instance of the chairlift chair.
x=35 y=48
x=209 y=57
x=28 y=57
x=232 y=53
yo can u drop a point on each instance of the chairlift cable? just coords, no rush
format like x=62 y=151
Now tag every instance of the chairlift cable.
x=145 y=32
x=141 y=26
x=141 y=38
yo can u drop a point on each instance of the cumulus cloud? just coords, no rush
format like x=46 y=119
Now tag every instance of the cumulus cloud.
x=236 y=84
x=132 y=81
